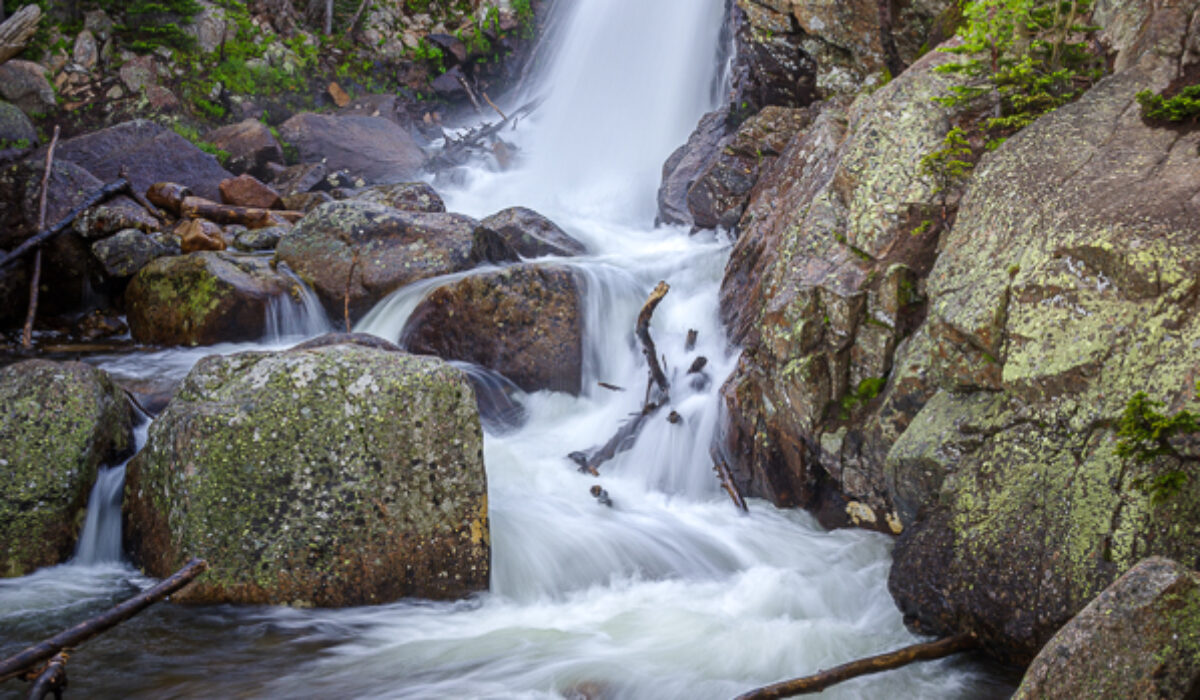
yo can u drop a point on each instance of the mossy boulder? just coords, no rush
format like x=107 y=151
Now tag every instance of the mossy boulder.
x=1140 y=638
x=370 y=250
x=328 y=475
x=204 y=298
x=61 y=421
x=523 y=321
x=1067 y=285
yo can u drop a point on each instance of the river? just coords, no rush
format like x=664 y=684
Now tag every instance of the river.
x=670 y=593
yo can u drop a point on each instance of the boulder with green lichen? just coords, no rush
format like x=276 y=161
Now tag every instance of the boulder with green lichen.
x=61 y=421
x=336 y=473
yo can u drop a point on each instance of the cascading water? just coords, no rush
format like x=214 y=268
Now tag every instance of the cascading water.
x=669 y=593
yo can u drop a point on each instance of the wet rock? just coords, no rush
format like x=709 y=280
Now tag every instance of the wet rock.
x=248 y=191
x=299 y=179
x=24 y=84
x=203 y=298
x=200 y=234
x=150 y=152
x=408 y=196
x=532 y=235
x=243 y=469
x=250 y=145
x=393 y=248
x=260 y=239
x=1066 y=285
x=449 y=85
x=306 y=202
x=61 y=421
x=372 y=148
x=123 y=254
x=771 y=64
x=718 y=196
x=16 y=131
x=523 y=322
x=97 y=324
x=685 y=165
x=1140 y=638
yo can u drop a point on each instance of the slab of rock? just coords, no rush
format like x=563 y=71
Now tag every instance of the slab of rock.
x=151 y=153
x=299 y=179
x=123 y=254
x=393 y=248
x=249 y=191
x=24 y=84
x=250 y=145
x=16 y=131
x=327 y=475
x=409 y=196
x=532 y=235
x=684 y=166
x=61 y=421
x=523 y=321
x=373 y=148
x=1140 y=638
x=771 y=64
x=203 y=298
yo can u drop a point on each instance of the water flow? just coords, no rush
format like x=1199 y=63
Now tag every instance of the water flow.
x=100 y=540
x=295 y=318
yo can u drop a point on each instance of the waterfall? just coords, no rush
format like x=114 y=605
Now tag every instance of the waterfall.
x=295 y=318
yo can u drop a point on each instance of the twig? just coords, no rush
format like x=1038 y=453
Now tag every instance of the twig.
x=115 y=187
x=493 y=105
x=52 y=679
x=16 y=665
x=357 y=14
x=470 y=93
x=141 y=198
x=36 y=278
x=861 y=667
x=643 y=334
x=610 y=387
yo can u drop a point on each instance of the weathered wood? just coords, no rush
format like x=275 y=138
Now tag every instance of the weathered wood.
x=610 y=387
x=861 y=667
x=727 y=483
x=457 y=150
x=623 y=440
x=36 y=278
x=113 y=188
x=643 y=334
x=141 y=198
x=692 y=335
x=168 y=195
x=51 y=680
x=250 y=217
x=17 y=665
x=16 y=31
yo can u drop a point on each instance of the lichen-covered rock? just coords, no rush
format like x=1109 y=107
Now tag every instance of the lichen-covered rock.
x=61 y=421
x=718 y=196
x=771 y=66
x=393 y=248
x=123 y=254
x=1139 y=639
x=1067 y=284
x=24 y=84
x=373 y=148
x=329 y=475
x=532 y=235
x=257 y=239
x=523 y=321
x=821 y=290
x=16 y=131
x=408 y=196
x=203 y=298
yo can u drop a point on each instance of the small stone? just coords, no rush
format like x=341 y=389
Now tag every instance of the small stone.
x=86 y=52
x=200 y=234
x=338 y=95
x=248 y=191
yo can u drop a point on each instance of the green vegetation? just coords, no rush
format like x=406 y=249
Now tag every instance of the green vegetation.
x=192 y=134
x=1144 y=435
x=1183 y=106
x=950 y=166
x=866 y=390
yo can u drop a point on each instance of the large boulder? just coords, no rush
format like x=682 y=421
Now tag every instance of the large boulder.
x=821 y=291
x=24 y=84
x=123 y=254
x=16 y=131
x=328 y=475
x=409 y=196
x=1066 y=286
x=370 y=250
x=523 y=321
x=1140 y=638
x=204 y=298
x=373 y=148
x=532 y=235
x=684 y=166
x=250 y=145
x=61 y=421
x=150 y=153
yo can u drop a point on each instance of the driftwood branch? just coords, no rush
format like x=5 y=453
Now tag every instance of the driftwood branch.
x=250 y=217
x=16 y=31
x=457 y=150
x=729 y=484
x=141 y=198
x=113 y=188
x=35 y=280
x=17 y=665
x=51 y=680
x=643 y=334
x=493 y=105
x=862 y=667
x=462 y=80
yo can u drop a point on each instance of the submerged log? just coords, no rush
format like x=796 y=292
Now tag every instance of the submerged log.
x=113 y=188
x=862 y=667
x=52 y=679
x=20 y=664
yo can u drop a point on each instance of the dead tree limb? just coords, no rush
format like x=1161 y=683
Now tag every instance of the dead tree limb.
x=457 y=149
x=52 y=679
x=862 y=667
x=16 y=31
x=493 y=105
x=729 y=484
x=36 y=278
x=113 y=188
x=17 y=665
x=462 y=80
x=141 y=198
x=643 y=334
x=250 y=217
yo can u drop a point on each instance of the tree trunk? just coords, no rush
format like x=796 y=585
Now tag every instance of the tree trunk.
x=328 y=17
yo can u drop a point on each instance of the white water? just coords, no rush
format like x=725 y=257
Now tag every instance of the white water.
x=672 y=592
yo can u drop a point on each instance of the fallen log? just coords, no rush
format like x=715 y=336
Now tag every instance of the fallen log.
x=457 y=150
x=113 y=188
x=730 y=486
x=623 y=440
x=52 y=679
x=20 y=664
x=16 y=31
x=141 y=199
x=862 y=667
x=643 y=334
x=250 y=217
x=168 y=195
x=35 y=280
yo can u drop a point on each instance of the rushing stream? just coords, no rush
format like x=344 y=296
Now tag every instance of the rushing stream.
x=670 y=593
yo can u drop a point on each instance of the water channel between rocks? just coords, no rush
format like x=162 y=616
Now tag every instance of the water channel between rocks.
x=672 y=592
